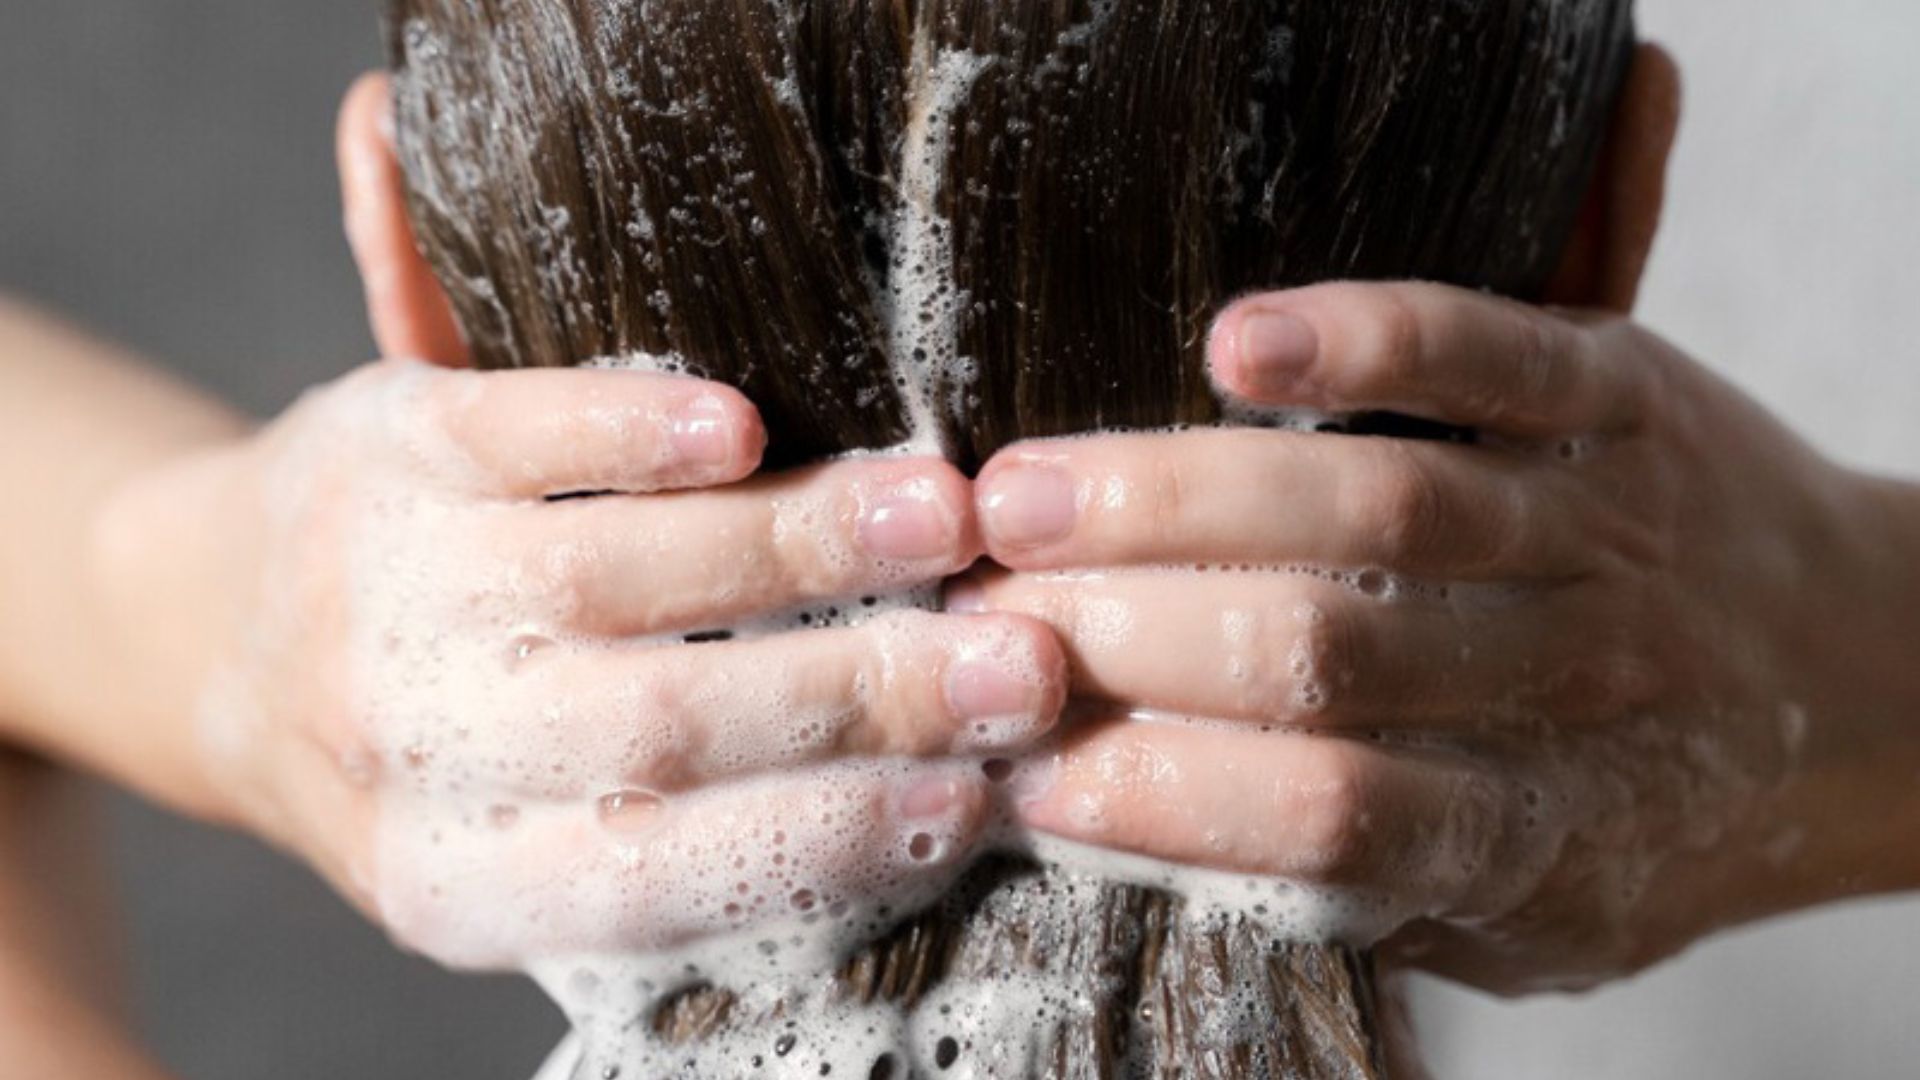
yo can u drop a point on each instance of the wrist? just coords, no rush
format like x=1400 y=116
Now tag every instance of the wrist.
x=1857 y=792
x=1842 y=818
x=163 y=560
x=80 y=421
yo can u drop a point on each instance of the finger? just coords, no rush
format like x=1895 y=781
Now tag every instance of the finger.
x=548 y=432
x=1362 y=653
x=673 y=718
x=702 y=560
x=1275 y=497
x=1432 y=351
x=1311 y=809
x=410 y=313
x=606 y=874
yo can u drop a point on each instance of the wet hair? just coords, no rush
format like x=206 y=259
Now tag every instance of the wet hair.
x=997 y=219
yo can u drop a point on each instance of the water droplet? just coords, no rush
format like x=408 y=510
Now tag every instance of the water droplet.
x=524 y=648
x=922 y=847
x=784 y=1045
x=628 y=811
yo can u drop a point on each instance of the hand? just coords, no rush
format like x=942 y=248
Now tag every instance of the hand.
x=1627 y=670
x=464 y=696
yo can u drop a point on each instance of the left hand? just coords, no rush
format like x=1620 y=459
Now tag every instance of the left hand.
x=1572 y=696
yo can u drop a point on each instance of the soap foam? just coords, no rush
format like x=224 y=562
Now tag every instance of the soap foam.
x=966 y=1026
x=921 y=303
x=532 y=825
x=530 y=820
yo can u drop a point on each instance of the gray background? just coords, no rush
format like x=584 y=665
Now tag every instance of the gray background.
x=166 y=177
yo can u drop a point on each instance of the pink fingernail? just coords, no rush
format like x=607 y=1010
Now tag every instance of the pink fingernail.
x=982 y=690
x=908 y=525
x=965 y=598
x=928 y=798
x=1276 y=349
x=1029 y=506
x=1033 y=780
x=700 y=432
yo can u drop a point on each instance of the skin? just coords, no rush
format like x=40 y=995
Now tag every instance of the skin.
x=1652 y=663
x=1617 y=717
x=59 y=989
x=298 y=746
x=158 y=507
x=1666 y=665
x=1637 y=719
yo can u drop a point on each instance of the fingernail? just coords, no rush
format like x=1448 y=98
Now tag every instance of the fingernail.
x=700 y=432
x=1033 y=780
x=982 y=689
x=928 y=798
x=1030 y=506
x=907 y=525
x=1276 y=349
x=965 y=598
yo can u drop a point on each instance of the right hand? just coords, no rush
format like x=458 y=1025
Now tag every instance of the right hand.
x=466 y=699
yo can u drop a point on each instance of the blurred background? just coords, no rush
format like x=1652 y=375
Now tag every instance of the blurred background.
x=166 y=178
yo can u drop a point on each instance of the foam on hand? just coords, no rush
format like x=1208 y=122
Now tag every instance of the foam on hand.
x=581 y=832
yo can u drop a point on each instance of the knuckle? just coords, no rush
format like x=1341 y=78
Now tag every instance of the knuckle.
x=1166 y=499
x=805 y=557
x=664 y=739
x=1538 y=358
x=896 y=697
x=1401 y=342
x=1325 y=661
x=561 y=575
x=1508 y=527
x=1335 y=821
x=1403 y=505
x=1259 y=645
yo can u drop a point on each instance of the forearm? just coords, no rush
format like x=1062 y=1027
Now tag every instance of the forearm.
x=59 y=998
x=46 y=1035
x=78 y=418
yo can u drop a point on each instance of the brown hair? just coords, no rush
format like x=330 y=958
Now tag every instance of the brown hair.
x=734 y=182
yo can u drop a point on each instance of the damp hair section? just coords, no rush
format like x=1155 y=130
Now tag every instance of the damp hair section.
x=932 y=226
x=955 y=224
